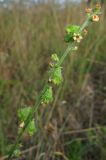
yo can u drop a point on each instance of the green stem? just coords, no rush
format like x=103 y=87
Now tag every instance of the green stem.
x=35 y=108
x=85 y=24
x=67 y=51
x=29 y=118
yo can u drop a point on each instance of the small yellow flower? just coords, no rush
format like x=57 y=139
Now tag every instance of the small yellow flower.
x=75 y=48
x=77 y=37
x=95 y=18
x=98 y=6
x=22 y=125
x=88 y=10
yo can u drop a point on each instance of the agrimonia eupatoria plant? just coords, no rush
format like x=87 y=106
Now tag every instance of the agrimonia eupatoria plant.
x=74 y=34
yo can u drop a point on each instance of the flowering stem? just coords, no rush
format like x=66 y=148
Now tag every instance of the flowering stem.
x=39 y=100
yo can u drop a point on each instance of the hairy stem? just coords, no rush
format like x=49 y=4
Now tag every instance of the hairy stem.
x=38 y=103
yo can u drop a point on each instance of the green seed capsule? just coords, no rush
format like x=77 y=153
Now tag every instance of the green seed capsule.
x=56 y=76
x=47 y=97
x=54 y=57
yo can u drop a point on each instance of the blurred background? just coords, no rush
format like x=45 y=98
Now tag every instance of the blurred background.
x=73 y=127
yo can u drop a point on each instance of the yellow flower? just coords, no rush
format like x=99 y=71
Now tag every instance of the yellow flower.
x=75 y=48
x=95 y=18
x=22 y=125
x=77 y=37
x=88 y=10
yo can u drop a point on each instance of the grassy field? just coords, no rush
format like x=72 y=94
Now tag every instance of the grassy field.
x=73 y=127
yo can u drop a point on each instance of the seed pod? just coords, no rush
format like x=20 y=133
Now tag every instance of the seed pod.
x=56 y=76
x=47 y=97
x=22 y=115
x=54 y=57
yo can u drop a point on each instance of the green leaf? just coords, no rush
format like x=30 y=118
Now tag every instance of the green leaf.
x=56 y=76
x=17 y=151
x=97 y=11
x=47 y=96
x=23 y=113
x=73 y=29
x=68 y=38
x=75 y=150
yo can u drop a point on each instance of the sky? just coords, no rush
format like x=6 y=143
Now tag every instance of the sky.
x=5 y=3
x=36 y=0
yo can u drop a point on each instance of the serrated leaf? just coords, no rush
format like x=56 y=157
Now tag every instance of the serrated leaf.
x=68 y=38
x=73 y=29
